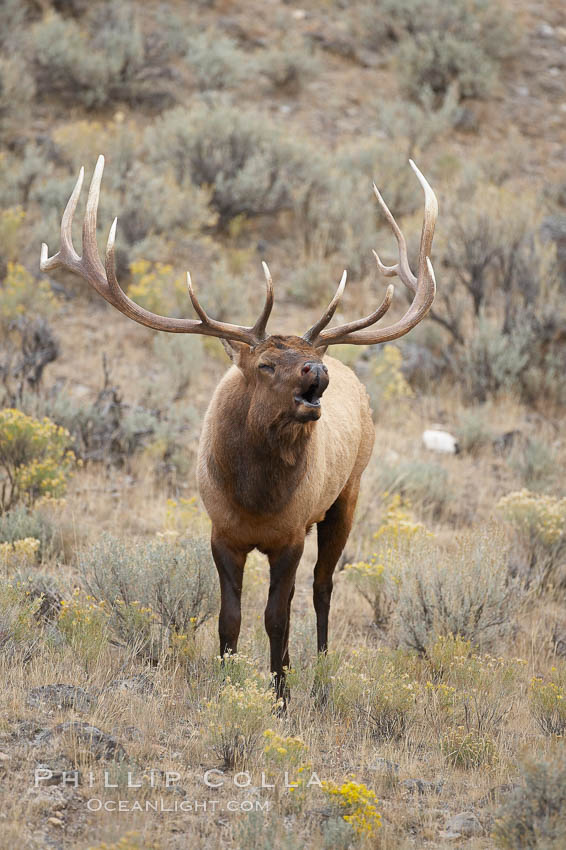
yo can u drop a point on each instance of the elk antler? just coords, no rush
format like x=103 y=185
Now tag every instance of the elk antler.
x=423 y=286
x=104 y=280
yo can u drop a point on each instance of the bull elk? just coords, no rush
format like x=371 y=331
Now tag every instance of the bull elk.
x=273 y=461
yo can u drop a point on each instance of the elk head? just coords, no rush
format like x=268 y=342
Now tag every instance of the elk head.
x=285 y=374
x=285 y=378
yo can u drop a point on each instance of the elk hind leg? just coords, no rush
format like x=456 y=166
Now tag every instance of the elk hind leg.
x=332 y=535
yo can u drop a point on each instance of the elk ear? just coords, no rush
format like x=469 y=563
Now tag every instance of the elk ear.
x=236 y=351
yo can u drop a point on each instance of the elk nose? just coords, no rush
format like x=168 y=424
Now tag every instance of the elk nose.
x=315 y=375
x=318 y=368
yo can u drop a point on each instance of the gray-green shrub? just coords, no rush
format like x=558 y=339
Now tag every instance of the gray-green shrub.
x=533 y=817
x=536 y=463
x=105 y=61
x=473 y=431
x=466 y=592
x=21 y=522
x=176 y=581
x=288 y=67
x=17 y=90
x=424 y=483
x=245 y=159
x=501 y=303
x=441 y=43
x=217 y=61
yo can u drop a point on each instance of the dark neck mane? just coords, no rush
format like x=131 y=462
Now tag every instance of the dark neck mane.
x=260 y=467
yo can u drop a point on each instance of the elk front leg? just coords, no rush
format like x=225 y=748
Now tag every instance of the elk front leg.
x=332 y=535
x=283 y=568
x=230 y=566
x=286 y=662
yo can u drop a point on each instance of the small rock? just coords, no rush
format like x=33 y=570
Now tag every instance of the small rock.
x=60 y=696
x=55 y=821
x=464 y=823
x=29 y=730
x=4 y=757
x=423 y=786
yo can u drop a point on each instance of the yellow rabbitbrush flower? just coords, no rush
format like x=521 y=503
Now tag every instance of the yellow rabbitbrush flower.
x=357 y=805
x=536 y=514
x=236 y=719
x=83 y=622
x=389 y=376
x=284 y=751
x=19 y=553
x=129 y=841
x=371 y=686
x=156 y=288
x=378 y=577
x=376 y=584
x=35 y=458
x=468 y=749
x=548 y=705
x=399 y=524
x=183 y=516
x=21 y=294
x=11 y=231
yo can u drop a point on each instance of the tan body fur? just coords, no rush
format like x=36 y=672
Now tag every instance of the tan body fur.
x=336 y=451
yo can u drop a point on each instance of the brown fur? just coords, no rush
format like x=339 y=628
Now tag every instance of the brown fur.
x=266 y=477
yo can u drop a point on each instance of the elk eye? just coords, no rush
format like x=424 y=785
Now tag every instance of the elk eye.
x=267 y=367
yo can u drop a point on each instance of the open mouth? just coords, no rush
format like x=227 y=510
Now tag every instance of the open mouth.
x=309 y=398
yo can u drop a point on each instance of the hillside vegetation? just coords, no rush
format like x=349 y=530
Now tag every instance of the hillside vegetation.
x=235 y=132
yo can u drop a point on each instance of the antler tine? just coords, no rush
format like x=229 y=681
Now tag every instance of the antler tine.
x=360 y=324
x=90 y=248
x=66 y=252
x=423 y=286
x=313 y=333
x=198 y=308
x=261 y=324
x=402 y=268
x=430 y=216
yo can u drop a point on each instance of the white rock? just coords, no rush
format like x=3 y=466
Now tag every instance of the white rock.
x=440 y=441
x=545 y=30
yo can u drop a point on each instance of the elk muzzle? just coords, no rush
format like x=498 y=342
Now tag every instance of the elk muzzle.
x=313 y=382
